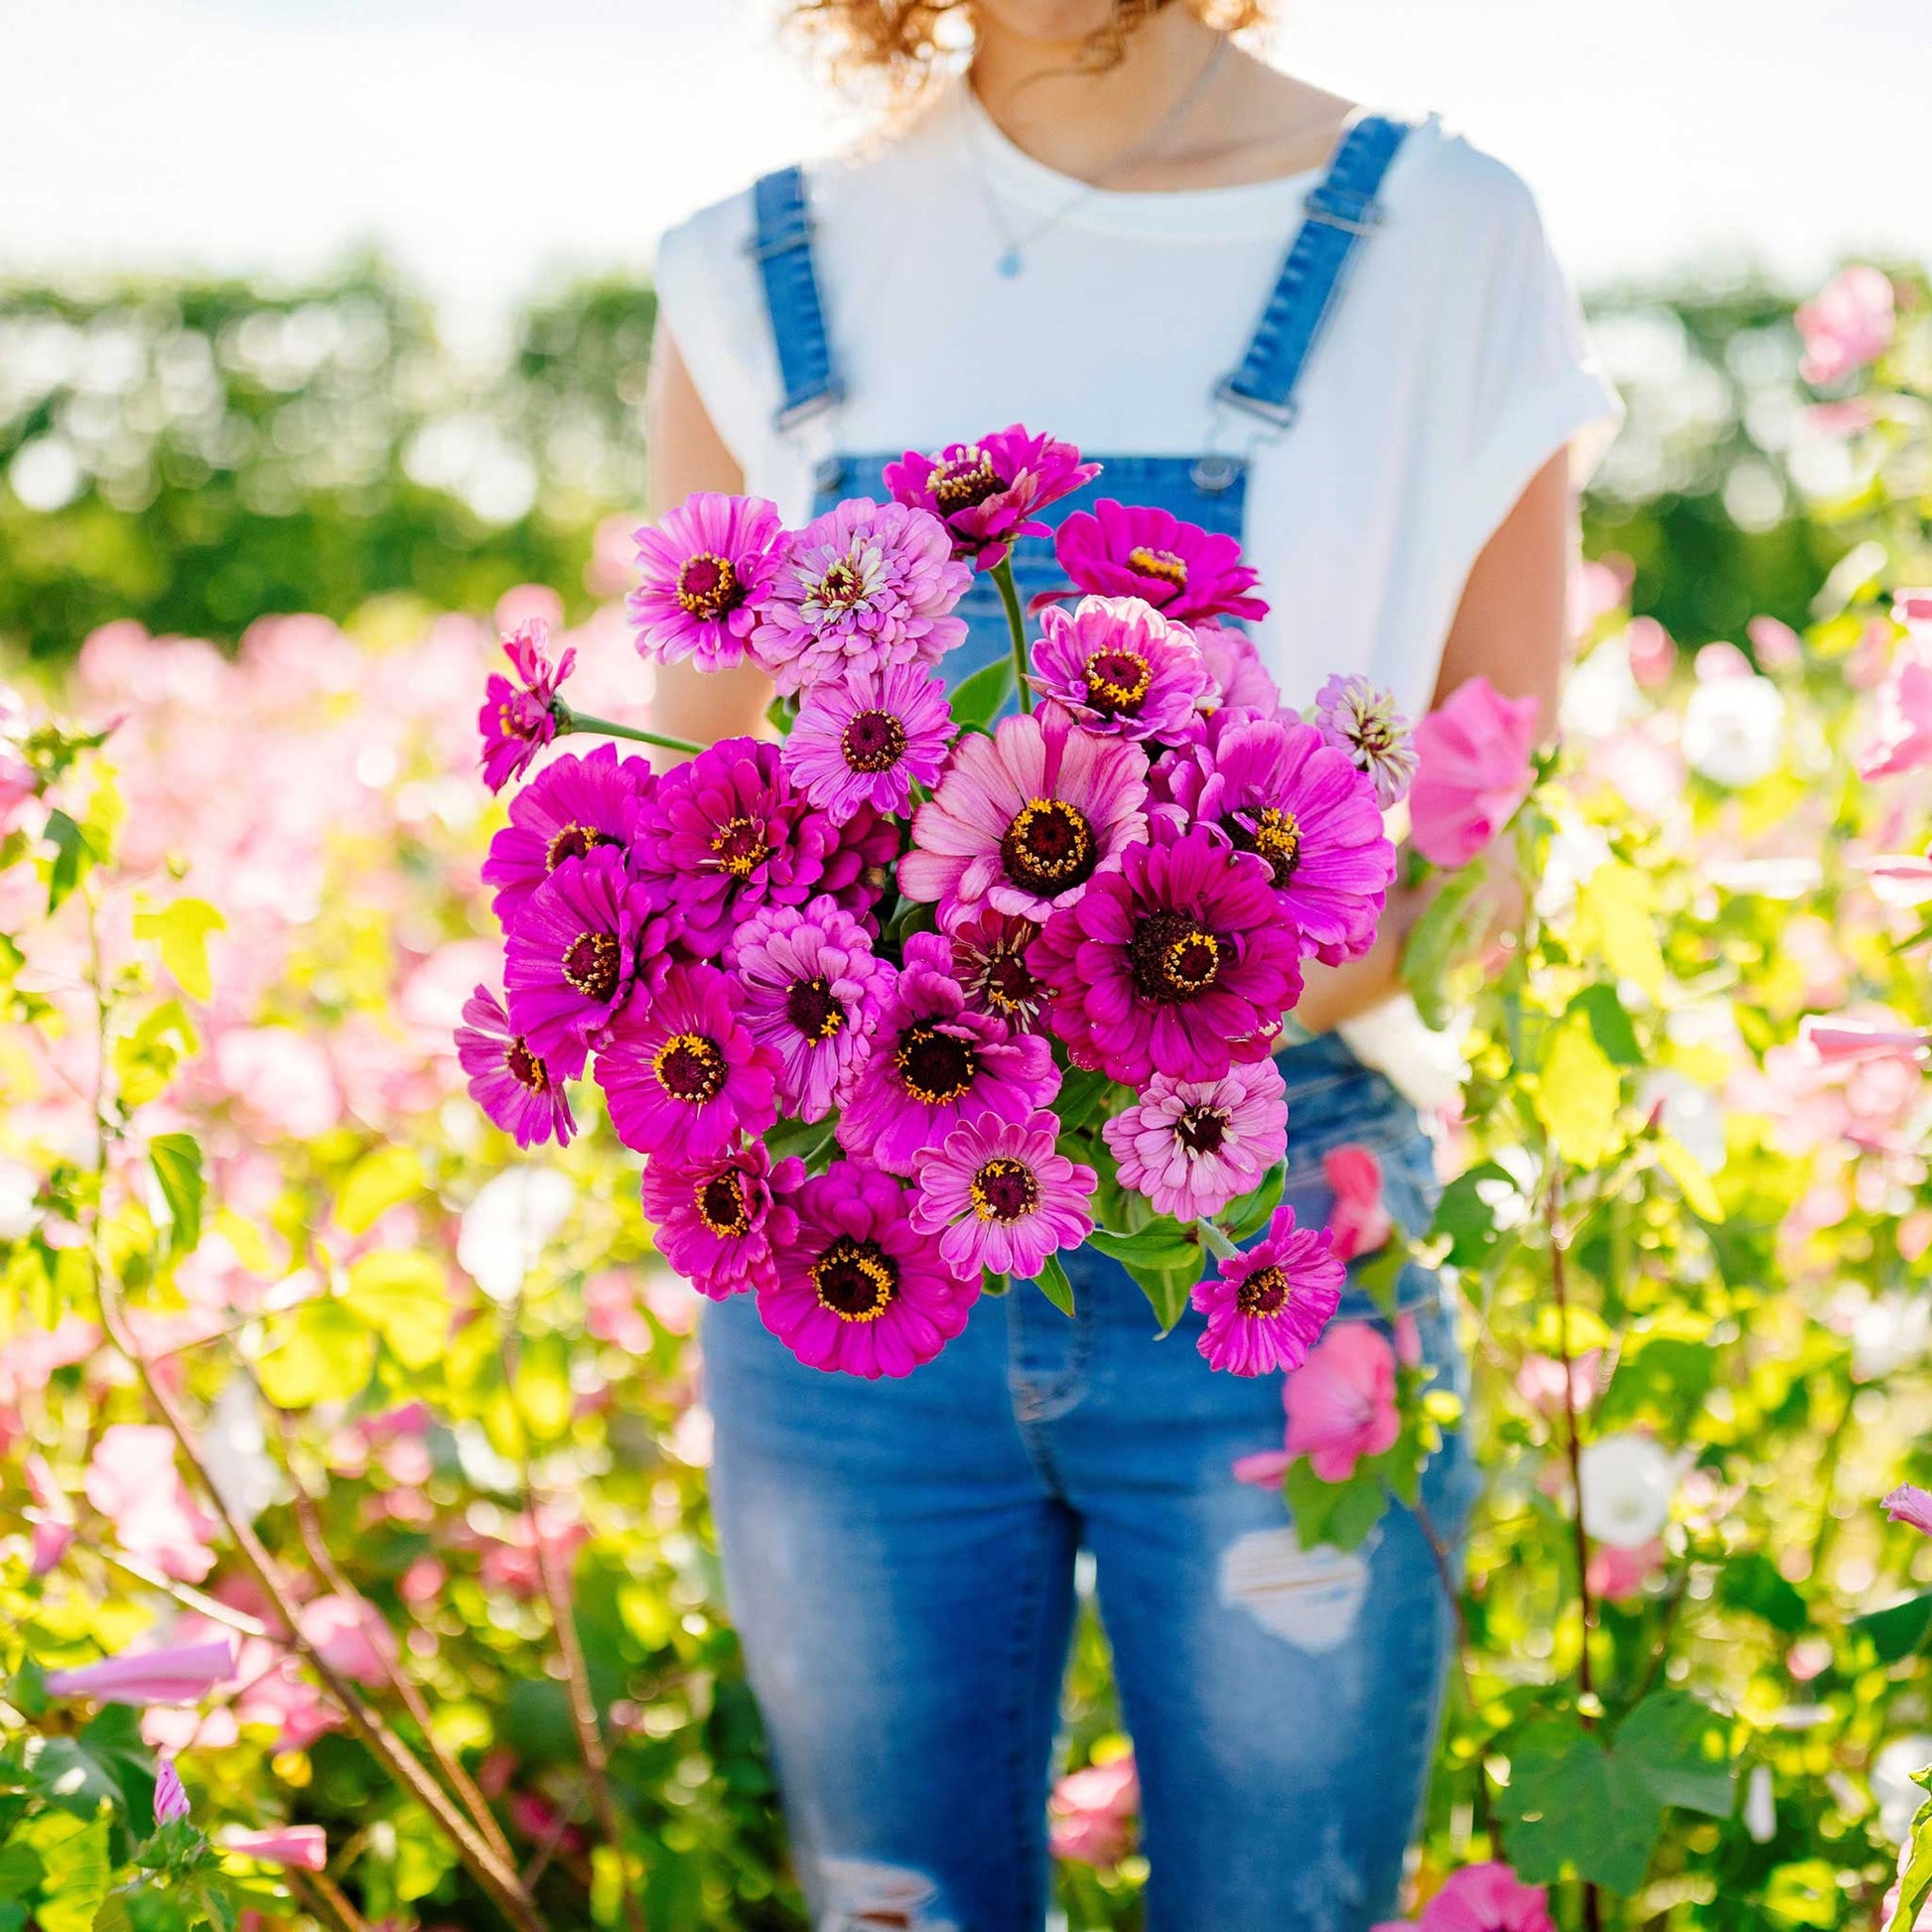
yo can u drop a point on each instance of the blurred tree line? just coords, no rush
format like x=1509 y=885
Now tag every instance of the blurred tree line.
x=194 y=454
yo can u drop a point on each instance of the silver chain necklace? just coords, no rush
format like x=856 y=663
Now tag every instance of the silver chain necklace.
x=1013 y=258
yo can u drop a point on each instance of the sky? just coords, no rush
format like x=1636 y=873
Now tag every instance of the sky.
x=494 y=146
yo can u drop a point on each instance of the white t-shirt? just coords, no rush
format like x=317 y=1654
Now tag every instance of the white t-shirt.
x=1454 y=367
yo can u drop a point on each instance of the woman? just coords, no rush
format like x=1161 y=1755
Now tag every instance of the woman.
x=1341 y=338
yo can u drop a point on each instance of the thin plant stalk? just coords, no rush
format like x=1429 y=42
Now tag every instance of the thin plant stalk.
x=582 y=721
x=1002 y=574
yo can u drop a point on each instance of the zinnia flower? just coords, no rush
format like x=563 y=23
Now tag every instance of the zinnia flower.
x=1355 y=718
x=999 y=1196
x=1358 y=1223
x=1179 y=963
x=868 y=738
x=574 y=955
x=1192 y=1146
x=170 y=1800
x=174 y=1673
x=1114 y=664
x=1272 y=787
x=1267 y=1308
x=856 y=1289
x=1239 y=675
x=989 y=492
x=706 y=567
x=681 y=1074
x=863 y=586
x=1025 y=820
x=517 y=720
x=1485 y=1897
x=814 y=990
x=1472 y=770
x=1341 y=1402
x=722 y=836
x=509 y=1081
x=714 y=1221
x=571 y=807
x=935 y=1064
x=990 y=961
x=1133 y=550
x=1908 y=1503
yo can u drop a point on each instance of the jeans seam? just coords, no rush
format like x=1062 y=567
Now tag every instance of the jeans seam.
x=1019 y=1689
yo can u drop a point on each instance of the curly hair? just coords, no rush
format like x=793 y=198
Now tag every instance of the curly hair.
x=903 y=43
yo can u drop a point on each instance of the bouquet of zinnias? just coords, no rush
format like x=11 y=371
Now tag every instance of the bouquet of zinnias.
x=902 y=1005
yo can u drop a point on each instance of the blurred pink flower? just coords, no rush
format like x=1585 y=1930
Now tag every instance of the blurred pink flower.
x=1485 y=1897
x=1341 y=1402
x=301 y=1847
x=1908 y=1503
x=1597 y=586
x=1653 y=652
x=1721 y=660
x=131 y=1479
x=1778 y=646
x=1853 y=1039
x=1847 y=324
x=282 y=1077
x=1358 y=1223
x=1091 y=1813
x=171 y=1674
x=352 y=1637
x=1539 y=1381
x=1905 y=737
x=1616 y=1575
x=170 y=1800
x=1473 y=770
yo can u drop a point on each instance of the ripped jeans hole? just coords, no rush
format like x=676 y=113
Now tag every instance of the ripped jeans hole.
x=864 y=1895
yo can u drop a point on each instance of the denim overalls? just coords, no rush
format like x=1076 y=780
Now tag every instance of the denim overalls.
x=901 y=1556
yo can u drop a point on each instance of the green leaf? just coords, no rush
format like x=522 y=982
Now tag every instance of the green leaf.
x=1161 y=1247
x=112 y=1915
x=979 y=698
x=1577 y=1093
x=1693 y=1182
x=384 y=1178
x=1916 y=1880
x=1167 y=1291
x=789 y=1137
x=1340 y=1514
x=1752 y=1582
x=1246 y=1217
x=71 y=852
x=1466 y=1213
x=145 y=1059
x=324 y=1353
x=1681 y=1749
x=1900 y=1631
x=75 y=1875
x=183 y=927
x=1081 y=1092
x=1053 y=1283
x=1609 y=1023
x=1449 y=925
x=403 y=1294
x=177 y=1162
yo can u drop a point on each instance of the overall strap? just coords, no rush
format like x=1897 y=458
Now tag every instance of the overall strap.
x=1339 y=212
x=781 y=245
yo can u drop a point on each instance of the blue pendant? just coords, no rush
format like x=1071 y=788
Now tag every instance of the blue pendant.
x=1010 y=263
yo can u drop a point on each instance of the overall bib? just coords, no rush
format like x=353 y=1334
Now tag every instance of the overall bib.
x=901 y=1557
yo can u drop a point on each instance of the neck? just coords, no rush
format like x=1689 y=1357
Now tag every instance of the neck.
x=1045 y=100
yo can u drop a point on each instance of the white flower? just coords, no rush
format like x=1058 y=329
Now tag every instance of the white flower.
x=1628 y=1482
x=1600 y=696
x=1733 y=730
x=1760 y=1807
x=1691 y=1114
x=512 y=1219
x=18 y=1185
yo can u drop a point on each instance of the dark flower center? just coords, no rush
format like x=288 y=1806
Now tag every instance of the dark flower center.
x=526 y=1069
x=1172 y=958
x=857 y=1280
x=721 y=1203
x=1201 y=1130
x=1263 y=1292
x=1005 y=1191
x=1275 y=835
x=1048 y=847
x=842 y=586
x=935 y=1067
x=1001 y=977
x=741 y=846
x=591 y=965
x=812 y=1008
x=966 y=479
x=1117 y=680
x=708 y=587
x=1161 y=564
x=573 y=842
x=874 y=741
x=690 y=1067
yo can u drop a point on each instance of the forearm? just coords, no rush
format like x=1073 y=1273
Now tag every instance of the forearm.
x=1332 y=994
x=705 y=706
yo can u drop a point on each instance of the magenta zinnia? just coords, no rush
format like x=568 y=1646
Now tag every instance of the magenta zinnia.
x=935 y=1063
x=990 y=960
x=991 y=492
x=1354 y=717
x=1025 y=820
x=1267 y=1308
x=577 y=946
x=714 y=1221
x=1133 y=550
x=863 y=586
x=868 y=738
x=706 y=567
x=572 y=806
x=508 y=1081
x=856 y=1289
x=681 y=1074
x=723 y=835
x=1179 y=963
x=1274 y=788
x=1192 y=1146
x=813 y=991
x=516 y=720
x=998 y=1195
x=1114 y=664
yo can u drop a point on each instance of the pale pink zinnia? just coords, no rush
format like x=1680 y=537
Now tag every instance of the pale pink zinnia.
x=1355 y=718
x=1472 y=770
x=1267 y=1308
x=1000 y=1197
x=1847 y=323
x=171 y=1674
x=1023 y=821
x=1116 y=665
x=1193 y=1146
x=706 y=567
x=1341 y=1402
x=868 y=738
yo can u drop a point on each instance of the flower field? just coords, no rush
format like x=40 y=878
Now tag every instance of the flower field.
x=355 y=1565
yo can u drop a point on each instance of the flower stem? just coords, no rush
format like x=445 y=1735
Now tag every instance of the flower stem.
x=582 y=721
x=1017 y=623
x=1214 y=1240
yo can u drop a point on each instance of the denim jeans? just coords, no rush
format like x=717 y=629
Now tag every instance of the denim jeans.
x=900 y=1560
